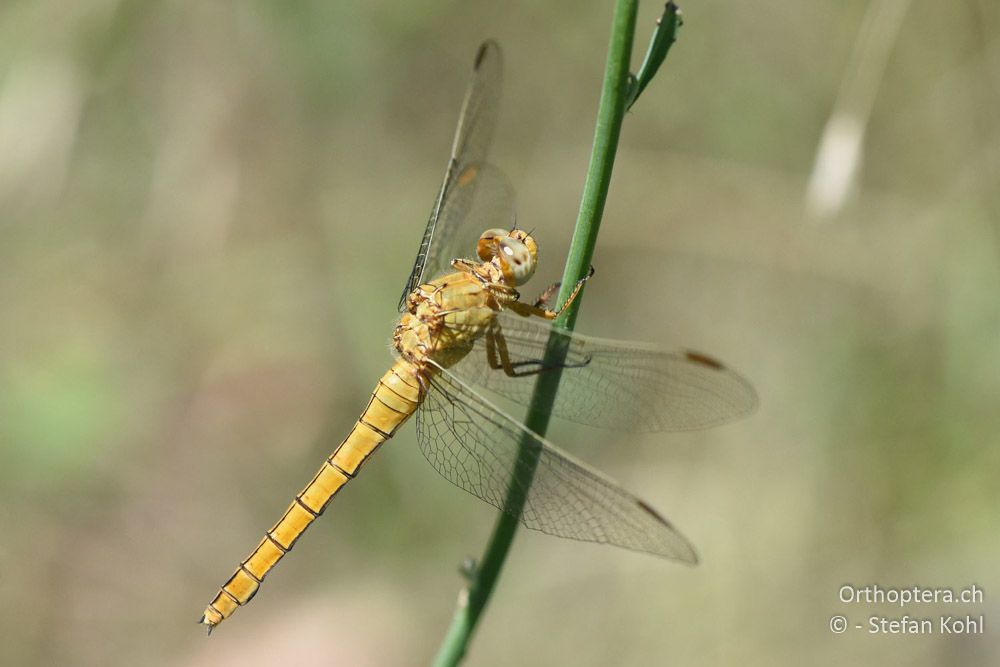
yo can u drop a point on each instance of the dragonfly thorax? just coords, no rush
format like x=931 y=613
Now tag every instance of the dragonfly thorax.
x=513 y=251
x=446 y=315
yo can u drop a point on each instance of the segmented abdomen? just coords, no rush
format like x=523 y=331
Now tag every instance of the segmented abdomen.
x=395 y=398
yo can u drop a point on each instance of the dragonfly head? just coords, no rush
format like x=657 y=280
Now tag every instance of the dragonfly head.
x=513 y=250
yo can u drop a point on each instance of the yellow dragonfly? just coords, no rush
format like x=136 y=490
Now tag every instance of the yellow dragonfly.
x=467 y=329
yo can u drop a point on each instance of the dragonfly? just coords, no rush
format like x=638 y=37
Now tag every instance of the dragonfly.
x=463 y=329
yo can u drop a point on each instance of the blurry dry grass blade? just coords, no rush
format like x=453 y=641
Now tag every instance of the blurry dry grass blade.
x=840 y=151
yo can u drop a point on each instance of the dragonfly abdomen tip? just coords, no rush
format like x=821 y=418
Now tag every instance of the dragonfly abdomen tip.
x=204 y=621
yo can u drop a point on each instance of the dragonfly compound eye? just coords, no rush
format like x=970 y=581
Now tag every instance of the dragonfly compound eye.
x=516 y=261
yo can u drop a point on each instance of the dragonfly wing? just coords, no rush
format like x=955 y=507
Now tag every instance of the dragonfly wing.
x=484 y=196
x=613 y=384
x=476 y=124
x=477 y=447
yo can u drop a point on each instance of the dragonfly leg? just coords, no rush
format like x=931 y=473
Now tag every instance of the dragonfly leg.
x=470 y=267
x=549 y=292
x=499 y=358
x=464 y=265
x=505 y=294
x=527 y=310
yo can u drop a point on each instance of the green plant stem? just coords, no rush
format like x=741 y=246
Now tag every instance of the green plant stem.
x=611 y=112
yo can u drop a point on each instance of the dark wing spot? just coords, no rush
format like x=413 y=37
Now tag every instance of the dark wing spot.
x=479 y=57
x=482 y=53
x=656 y=515
x=704 y=360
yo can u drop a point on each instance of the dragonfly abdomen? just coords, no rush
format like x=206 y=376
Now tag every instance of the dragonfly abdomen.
x=395 y=398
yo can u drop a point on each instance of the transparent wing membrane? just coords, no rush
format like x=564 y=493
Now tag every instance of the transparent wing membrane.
x=475 y=446
x=462 y=179
x=484 y=196
x=608 y=383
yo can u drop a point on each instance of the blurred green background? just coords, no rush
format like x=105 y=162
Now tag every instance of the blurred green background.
x=207 y=212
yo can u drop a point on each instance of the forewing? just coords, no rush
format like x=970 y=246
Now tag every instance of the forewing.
x=477 y=447
x=610 y=383
x=485 y=198
x=476 y=123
